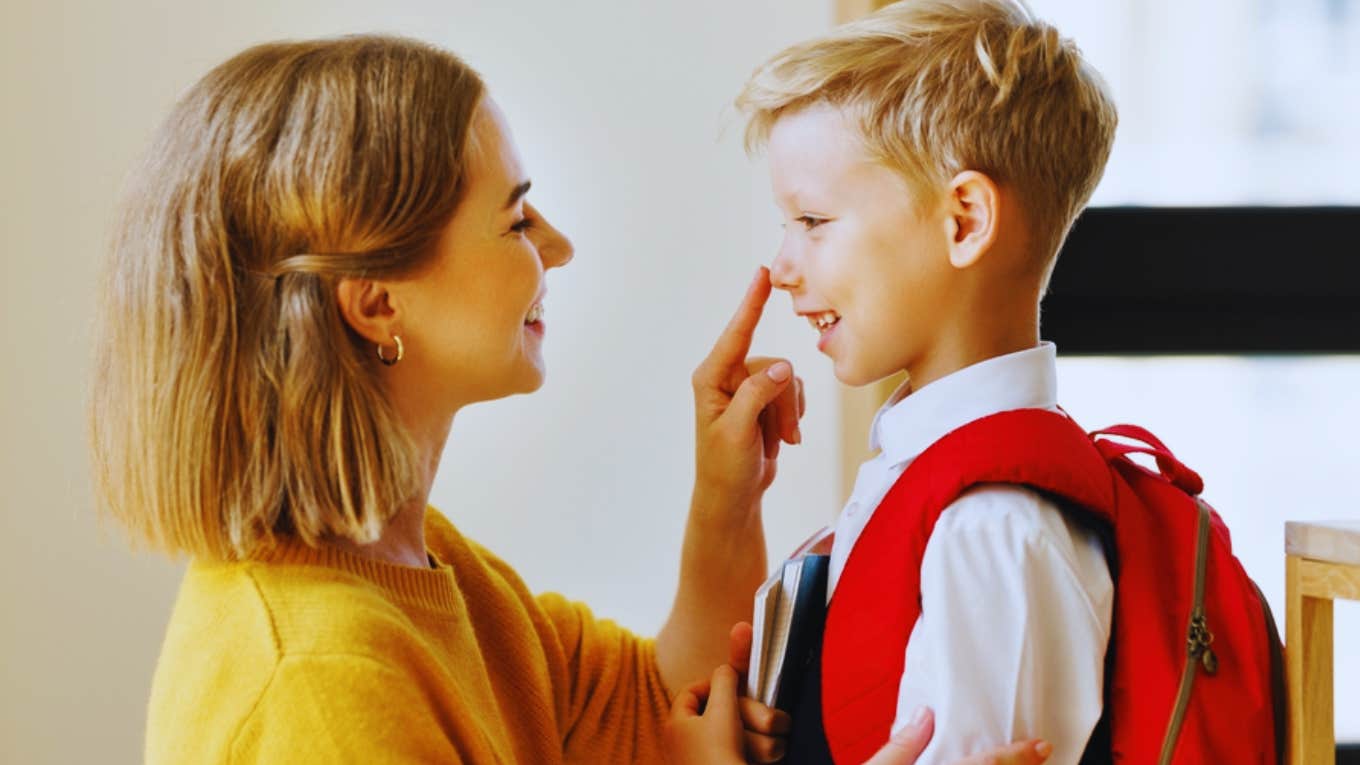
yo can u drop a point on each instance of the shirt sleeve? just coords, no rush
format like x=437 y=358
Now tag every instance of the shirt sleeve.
x=1016 y=606
x=614 y=703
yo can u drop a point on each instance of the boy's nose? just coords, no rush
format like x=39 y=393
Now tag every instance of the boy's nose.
x=784 y=271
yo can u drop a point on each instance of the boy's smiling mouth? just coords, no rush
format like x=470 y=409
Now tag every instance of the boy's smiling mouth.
x=823 y=320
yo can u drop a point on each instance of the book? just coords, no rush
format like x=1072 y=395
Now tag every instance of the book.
x=789 y=614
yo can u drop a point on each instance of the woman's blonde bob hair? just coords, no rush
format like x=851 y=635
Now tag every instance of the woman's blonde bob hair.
x=941 y=86
x=231 y=402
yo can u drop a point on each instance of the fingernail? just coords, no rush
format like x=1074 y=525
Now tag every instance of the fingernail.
x=918 y=718
x=1043 y=749
x=779 y=372
x=776 y=752
x=797 y=435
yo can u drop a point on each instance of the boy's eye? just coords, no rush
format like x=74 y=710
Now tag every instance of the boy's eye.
x=522 y=225
x=809 y=222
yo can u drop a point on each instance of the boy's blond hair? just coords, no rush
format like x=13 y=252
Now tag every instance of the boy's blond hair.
x=231 y=403
x=941 y=86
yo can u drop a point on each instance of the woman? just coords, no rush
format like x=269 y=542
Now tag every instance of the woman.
x=326 y=254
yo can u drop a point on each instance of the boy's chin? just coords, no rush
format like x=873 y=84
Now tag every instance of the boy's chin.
x=855 y=376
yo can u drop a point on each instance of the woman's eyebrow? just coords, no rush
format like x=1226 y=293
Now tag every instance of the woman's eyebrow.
x=517 y=193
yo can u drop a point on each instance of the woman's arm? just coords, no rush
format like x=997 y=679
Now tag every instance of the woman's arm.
x=721 y=565
x=743 y=409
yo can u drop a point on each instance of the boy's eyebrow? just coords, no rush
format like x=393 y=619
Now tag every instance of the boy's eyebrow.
x=517 y=193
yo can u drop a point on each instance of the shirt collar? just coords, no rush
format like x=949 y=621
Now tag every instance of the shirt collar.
x=913 y=420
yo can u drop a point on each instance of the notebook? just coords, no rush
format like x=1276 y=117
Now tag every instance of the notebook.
x=790 y=611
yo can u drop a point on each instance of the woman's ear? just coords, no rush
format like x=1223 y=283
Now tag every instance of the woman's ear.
x=367 y=308
x=973 y=204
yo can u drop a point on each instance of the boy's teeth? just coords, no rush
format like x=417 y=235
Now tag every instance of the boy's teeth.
x=824 y=321
x=535 y=314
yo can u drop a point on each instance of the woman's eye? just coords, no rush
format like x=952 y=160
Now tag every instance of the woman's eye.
x=810 y=222
x=522 y=225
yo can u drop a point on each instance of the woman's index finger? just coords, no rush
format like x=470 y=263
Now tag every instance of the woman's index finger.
x=735 y=341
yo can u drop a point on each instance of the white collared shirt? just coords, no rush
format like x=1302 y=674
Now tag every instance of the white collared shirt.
x=1016 y=600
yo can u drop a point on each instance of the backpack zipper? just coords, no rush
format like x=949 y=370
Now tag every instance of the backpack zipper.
x=1198 y=640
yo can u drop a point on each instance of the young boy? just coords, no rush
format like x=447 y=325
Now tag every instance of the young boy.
x=929 y=161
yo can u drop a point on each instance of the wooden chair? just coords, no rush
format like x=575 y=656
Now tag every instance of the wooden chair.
x=1322 y=563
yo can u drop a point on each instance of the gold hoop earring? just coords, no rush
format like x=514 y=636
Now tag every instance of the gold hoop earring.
x=401 y=351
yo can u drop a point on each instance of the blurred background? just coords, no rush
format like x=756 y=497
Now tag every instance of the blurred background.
x=622 y=112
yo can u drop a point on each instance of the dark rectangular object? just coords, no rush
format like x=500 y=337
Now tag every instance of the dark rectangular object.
x=1211 y=280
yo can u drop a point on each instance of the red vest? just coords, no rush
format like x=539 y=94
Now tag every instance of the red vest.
x=1161 y=660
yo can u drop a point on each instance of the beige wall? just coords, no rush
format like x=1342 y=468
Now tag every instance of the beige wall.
x=620 y=112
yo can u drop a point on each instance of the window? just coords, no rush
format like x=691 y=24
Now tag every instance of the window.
x=1225 y=102
x=1216 y=298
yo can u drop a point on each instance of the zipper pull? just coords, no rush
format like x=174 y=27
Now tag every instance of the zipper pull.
x=1210 y=661
x=1198 y=641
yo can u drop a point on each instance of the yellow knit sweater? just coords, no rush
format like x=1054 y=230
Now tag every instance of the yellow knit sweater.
x=320 y=656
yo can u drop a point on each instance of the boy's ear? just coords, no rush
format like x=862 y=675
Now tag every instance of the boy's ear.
x=973 y=205
x=368 y=308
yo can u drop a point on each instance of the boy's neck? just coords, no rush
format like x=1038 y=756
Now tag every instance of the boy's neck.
x=980 y=336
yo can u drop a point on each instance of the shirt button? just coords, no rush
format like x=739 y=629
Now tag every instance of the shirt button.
x=852 y=509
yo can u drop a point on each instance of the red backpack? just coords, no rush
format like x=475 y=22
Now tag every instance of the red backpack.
x=1195 y=671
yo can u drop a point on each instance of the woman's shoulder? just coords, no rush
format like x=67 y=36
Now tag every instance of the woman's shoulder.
x=470 y=560
x=218 y=656
x=493 y=584
x=270 y=609
x=254 y=614
x=245 y=632
x=219 y=605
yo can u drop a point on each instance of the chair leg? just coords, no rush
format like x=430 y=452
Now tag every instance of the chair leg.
x=1308 y=656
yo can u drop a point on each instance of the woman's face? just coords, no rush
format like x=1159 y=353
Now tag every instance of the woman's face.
x=472 y=321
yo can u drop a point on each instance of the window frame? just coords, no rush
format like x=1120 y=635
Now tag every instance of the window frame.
x=1207 y=280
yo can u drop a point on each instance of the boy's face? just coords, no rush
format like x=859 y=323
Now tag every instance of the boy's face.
x=863 y=260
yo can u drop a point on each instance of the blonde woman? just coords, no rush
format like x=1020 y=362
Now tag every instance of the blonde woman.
x=326 y=254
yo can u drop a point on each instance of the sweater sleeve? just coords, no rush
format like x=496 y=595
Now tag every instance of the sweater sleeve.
x=613 y=702
x=341 y=709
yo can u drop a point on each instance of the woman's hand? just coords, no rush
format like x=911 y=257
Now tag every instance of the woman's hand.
x=743 y=408
x=705 y=728
x=910 y=741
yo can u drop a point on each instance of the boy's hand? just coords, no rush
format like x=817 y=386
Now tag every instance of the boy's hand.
x=743 y=408
x=704 y=728
x=766 y=729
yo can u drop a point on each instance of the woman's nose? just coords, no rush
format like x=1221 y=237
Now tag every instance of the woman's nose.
x=560 y=252
x=554 y=247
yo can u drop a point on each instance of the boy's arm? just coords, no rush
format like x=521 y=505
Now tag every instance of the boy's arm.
x=1016 y=608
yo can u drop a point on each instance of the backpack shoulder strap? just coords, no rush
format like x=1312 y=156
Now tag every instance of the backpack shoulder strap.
x=1045 y=450
x=876 y=602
